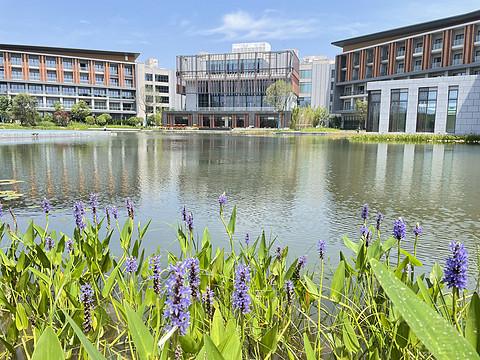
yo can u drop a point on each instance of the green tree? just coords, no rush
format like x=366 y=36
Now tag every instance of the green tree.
x=279 y=95
x=361 y=110
x=80 y=111
x=104 y=119
x=5 y=107
x=24 y=109
x=90 y=120
x=320 y=116
x=134 y=121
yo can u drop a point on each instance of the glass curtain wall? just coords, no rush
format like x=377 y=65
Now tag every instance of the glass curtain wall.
x=373 y=118
x=427 y=108
x=452 y=109
x=398 y=110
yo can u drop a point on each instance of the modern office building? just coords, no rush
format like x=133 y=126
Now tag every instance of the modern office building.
x=317 y=78
x=156 y=89
x=419 y=78
x=105 y=80
x=229 y=90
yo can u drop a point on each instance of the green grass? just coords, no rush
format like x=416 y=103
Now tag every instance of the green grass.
x=47 y=125
x=415 y=138
x=314 y=130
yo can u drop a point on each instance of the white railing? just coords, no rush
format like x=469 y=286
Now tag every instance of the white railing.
x=437 y=46
x=457 y=42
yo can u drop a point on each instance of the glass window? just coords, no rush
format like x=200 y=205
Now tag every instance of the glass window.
x=161 y=78
x=373 y=119
x=3 y=88
x=128 y=83
x=68 y=103
x=34 y=74
x=51 y=102
x=16 y=59
x=304 y=101
x=18 y=88
x=128 y=70
x=51 y=62
x=49 y=89
x=100 y=105
x=398 y=110
x=452 y=109
x=113 y=81
x=305 y=74
x=148 y=77
x=113 y=69
x=99 y=66
x=84 y=78
x=305 y=87
x=17 y=73
x=35 y=89
x=161 y=89
x=68 y=77
x=98 y=79
x=2 y=74
x=427 y=108
x=33 y=60
x=68 y=90
x=51 y=76
x=114 y=94
x=99 y=92
x=83 y=65
x=114 y=106
x=1 y=59
x=84 y=91
x=67 y=63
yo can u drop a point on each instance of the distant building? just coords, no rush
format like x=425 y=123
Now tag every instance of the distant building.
x=419 y=78
x=155 y=89
x=229 y=90
x=105 y=80
x=317 y=77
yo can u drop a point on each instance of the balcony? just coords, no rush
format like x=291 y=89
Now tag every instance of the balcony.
x=457 y=62
x=458 y=42
x=477 y=38
x=400 y=53
x=417 y=68
x=477 y=58
x=437 y=46
x=418 y=50
x=436 y=65
x=400 y=71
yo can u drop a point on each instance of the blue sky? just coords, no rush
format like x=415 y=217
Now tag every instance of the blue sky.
x=164 y=29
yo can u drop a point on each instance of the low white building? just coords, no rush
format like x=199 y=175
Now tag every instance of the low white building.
x=317 y=76
x=156 y=89
x=447 y=104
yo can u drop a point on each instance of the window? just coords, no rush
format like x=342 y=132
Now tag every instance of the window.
x=400 y=68
x=128 y=70
x=33 y=60
x=163 y=99
x=67 y=64
x=17 y=74
x=458 y=59
x=398 y=110
x=436 y=62
x=99 y=92
x=347 y=105
x=51 y=102
x=148 y=77
x=114 y=94
x=34 y=74
x=99 y=67
x=128 y=107
x=16 y=59
x=3 y=88
x=373 y=119
x=305 y=74
x=452 y=109
x=35 y=89
x=1 y=59
x=68 y=90
x=128 y=83
x=113 y=81
x=51 y=75
x=458 y=39
x=68 y=77
x=113 y=69
x=304 y=101
x=401 y=51
x=383 y=69
x=148 y=88
x=17 y=88
x=114 y=106
x=161 y=78
x=149 y=98
x=418 y=65
x=2 y=74
x=161 y=89
x=39 y=101
x=84 y=91
x=306 y=87
x=83 y=65
x=99 y=79
x=127 y=95
x=49 y=89
x=100 y=105
x=427 y=107
x=68 y=103
x=51 y=62
x=477 y=56
x=84 y=78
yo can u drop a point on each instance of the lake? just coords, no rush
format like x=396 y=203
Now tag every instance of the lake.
x=297 y=188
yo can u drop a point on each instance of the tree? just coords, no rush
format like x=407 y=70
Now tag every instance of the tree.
x=5 y=107
x=104 y=119
x=361 y=110
x=279 y=95
x=24 y=109
x=134 y=121
x=320 y=116
x=60 y=116
x=90 y=120
x=80 y=111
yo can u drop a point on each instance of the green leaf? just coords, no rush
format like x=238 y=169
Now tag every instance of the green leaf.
x=269 y=340
x=218 y=329
x=338 y=282
x=21 y=319
x=311 y=287
x=107 y=288
x=472 y=327
x=349 y=336
x=142 y=338
x=350 y=244
x=308 y=348
x=233 y=219
x=48 y=346
x=164 y=338
x=438 y=336
x=93 y=353
x=412 y=259
x=211 y=351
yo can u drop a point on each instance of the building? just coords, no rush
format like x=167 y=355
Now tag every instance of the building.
x=419 y=78
x=155 y=89
x=317 y=78
x=229 y=90
x=105 y=80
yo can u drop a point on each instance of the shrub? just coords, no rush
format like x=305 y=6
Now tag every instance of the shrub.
x=61 y=118
x=80 y=111
x=90 y=120
x=104 y=119
x=134 y=121
x=24 y=109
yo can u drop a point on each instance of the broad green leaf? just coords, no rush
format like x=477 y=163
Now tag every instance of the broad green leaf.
x=142 y=338
x=233 y=219
x=311 y=287
x=211 y=351
x=389 y=243
x=218 y=329
x=269 y=340
x=231 y=347
x=349 y=336
x=423 y=290
x=308 y=348
x=472 y=327
x=164 y=338
x=107 y=288
x=338 y=282
x=350 y=244
x=21 y=319
x=92 y=352
x=48 y=346
x=438 y=336
x=412 y=259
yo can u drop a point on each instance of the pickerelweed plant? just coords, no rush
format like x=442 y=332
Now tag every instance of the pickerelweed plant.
x=67 y=296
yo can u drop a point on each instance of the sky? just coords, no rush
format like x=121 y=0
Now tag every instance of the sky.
x=164 y=29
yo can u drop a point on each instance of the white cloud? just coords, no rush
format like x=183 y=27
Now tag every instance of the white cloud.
x=270 y=25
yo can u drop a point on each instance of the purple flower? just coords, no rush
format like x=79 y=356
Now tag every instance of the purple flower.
x=189 y=221
x=365 y=212
x=178 y=300
x=363 y=230
x=247 y=239
x=131 y=265
x=46 y=206
x=321 y=248
x=93 y=202
x=207 y=298
x=301 y=262
x=193 y=268
x=79 y=213
x=69 y=245
x=86 y=297
x=278 y=252
x=241 y=298
x=418 y=230
x=222 y=199
x=399 y=229
x=184 y=214
x=1 y=210
x=456 y=267
x=129 y=205
x=155 y=266
x=379 y=220
x=289 y=290
x=368 y=238
x=49 y=243
x=111 y=211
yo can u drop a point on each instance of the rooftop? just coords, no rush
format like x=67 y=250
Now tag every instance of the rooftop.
x=411 y=29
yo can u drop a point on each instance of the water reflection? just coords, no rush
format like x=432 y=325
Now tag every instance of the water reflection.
x=300 y=189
